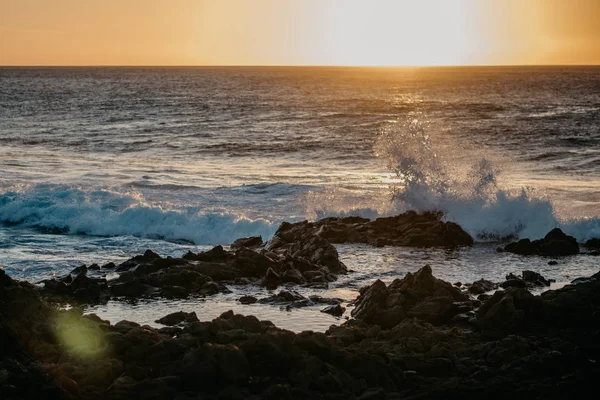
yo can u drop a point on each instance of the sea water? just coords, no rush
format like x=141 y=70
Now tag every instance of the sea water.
x=99 y=164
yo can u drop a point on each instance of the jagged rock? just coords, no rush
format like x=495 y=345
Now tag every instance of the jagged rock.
x=247 y=300
x=251 y=242
x=77 y=286
x=528 y=347
x=418 y=295
x=528 y=279
x=335 y=310
x=177 y=318
x=593 y=243
x=408 y=229
x=509 y=310
x=555 y=243
x=481 y=286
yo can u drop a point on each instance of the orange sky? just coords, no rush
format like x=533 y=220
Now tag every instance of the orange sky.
x=299 y=32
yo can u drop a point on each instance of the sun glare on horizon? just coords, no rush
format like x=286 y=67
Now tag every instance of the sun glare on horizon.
x=299 y=32
x=405 y=33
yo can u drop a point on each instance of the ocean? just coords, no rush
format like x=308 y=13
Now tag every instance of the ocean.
x=99 y=164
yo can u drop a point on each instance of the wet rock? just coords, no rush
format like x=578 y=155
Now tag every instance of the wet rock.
x=77 y=286
x=251 y=242
x=482 y=286
x=593 y=243
x=419 y=295
x=247 y=300
x=283 y=296
x=509 y=310
x=336 y=310
x=528 y=279
x=527 y=347
x=408 y=229
x=555 y=243
x=178 y=318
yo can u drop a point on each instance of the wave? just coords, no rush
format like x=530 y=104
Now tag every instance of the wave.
x=430 y=177
x=101 y=212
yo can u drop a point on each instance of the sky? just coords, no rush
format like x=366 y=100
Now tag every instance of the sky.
x=299 y=32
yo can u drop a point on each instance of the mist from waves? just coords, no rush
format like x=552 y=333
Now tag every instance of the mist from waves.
x=429 y=175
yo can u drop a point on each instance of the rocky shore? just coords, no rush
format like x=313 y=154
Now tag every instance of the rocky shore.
x=418 y=337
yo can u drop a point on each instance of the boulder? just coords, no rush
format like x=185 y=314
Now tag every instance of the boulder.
x=335 y=310
x=251 y=242
x=408 y=229
x=419 y=295
x=177 y=318
x=555 y=243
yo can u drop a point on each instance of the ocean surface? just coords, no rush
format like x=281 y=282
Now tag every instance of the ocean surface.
x=99 y=164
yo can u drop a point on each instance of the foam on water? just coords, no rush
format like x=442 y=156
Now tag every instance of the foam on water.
x=102 y=212
x=430 y=177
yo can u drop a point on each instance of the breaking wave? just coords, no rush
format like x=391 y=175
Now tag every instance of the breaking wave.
x=71 y=209
x=429 y=176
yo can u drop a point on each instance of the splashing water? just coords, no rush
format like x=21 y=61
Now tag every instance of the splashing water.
x=430 y=177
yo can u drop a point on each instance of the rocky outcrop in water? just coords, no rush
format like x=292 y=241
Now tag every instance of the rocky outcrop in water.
x=519 y=345
x=555 y=243
x=307 y=261
x=419 y=295
x=408 y=229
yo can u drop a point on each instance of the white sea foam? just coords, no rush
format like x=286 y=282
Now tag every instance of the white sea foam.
x=102 y=212
x=429 y=177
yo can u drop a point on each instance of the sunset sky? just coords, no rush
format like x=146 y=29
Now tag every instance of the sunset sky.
x=299 y=32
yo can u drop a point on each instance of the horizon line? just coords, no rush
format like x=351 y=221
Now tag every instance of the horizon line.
x=284 y=65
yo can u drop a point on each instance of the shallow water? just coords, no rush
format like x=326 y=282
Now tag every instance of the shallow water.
x=367 y=264
x=99 y=164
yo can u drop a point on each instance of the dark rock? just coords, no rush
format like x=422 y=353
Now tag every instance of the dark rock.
x=509 y=310
x=528 y=279
x=178 y=318
x=251 y=242
x=593 y=243
x=408 y=229
x=517 y=283
x=247 y=300
x=552 y=262
x=555 y=243
x=526 y=347
x=336 y=310
x=419 y=295
x=129 y=289
x=481 y=286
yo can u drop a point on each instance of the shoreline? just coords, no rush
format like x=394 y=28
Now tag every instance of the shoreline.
x=415 y=337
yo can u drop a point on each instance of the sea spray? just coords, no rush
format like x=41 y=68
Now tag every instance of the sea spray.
x=74 y=209
x=431 y=176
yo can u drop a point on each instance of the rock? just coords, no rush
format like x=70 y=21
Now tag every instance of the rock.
x=271 y=279
x=555 y=243
x=408 y=229
x=526 y=347
x=247 y=300
x=528 y=279
x=481 y=286
x=251 y=242
x=283 y=296
x=110 y=265
x=178 y=318
x=78 y=287
x=129 y=289
x=336 y=310
x=593 y=243
x=419 y=295
x=518 y=283
x=510 y=310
